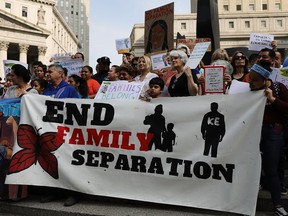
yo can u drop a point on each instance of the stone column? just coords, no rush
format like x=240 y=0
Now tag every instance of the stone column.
x=208 y=25
x=3 y=56
x=41 y=53
x=23 y=48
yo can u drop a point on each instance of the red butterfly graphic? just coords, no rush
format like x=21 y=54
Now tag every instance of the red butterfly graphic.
x=35 y=148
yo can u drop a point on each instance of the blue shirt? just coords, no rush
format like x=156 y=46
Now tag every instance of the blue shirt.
x=63 y=90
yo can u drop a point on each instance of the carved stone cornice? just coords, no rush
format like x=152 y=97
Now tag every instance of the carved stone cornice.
x=42 y=50
x=23 y=48
x=4 y=45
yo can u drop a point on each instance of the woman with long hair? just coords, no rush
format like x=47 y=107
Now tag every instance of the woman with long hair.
x=144 y=67
x=79 y=84
x=239 y=63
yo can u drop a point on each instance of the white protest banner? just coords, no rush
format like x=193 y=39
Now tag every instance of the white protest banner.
x=159 y=60
x=121 y=90
x=260 y=41
x=9 y=63
x=74 y=66
x=123 y=45
x=108 y=148
x=214 y=82
x=197 y=54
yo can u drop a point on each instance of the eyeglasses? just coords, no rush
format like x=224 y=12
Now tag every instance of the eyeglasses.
x=239 y=57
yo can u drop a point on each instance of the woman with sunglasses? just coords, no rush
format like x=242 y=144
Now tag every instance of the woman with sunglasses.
x=240 y=66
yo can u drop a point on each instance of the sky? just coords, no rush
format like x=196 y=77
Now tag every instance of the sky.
x=113 y=19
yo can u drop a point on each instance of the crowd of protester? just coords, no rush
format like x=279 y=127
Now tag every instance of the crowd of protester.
x=175 y=81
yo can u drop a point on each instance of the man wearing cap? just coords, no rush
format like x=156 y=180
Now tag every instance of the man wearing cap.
x=128 y=57
x=104 y=63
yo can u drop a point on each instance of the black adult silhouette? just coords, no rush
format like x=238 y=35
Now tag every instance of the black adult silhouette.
x=157 y=126
x=213 y=130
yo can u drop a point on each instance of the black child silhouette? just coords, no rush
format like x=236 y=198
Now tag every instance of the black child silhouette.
x=213 y=130
x=157 y=126
x=168 y=138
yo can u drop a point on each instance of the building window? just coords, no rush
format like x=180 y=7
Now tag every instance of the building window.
x=183 y=26
x=72 y=12
x=251 y=7
x=247 y=24
x=226 y=7
x=279 y=23
x=24 y=11
x=264 y=7
x=76 y=13
x=238 y=7
x=277 y=6
x=7 y=5
x=231 y=24
x=263 y=24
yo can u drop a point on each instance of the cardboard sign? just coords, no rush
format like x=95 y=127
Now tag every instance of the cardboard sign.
x=190 y=43
x=123 y=45
x=159 y=29
x=214 y=82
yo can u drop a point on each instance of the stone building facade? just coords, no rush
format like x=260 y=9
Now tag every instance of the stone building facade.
x=237 y=19
x=32 y=30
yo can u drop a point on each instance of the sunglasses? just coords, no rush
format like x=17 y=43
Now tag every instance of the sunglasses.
x=239 y=57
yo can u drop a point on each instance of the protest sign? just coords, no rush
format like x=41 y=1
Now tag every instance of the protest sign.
x=260 y=41
x=9 y=63
x=190 y=43
x=60 y=57
x=159 y=60
x=214 y=82
x=159 y=29
x=123 y=45
x=121 y=90
x=74 y=66
x=197 y=54
x=111 y=148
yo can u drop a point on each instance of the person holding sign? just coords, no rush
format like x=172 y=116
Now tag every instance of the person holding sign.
x=185 y=81
x=272 y=135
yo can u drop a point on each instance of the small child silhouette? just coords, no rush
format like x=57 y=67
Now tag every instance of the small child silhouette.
x=168 y=138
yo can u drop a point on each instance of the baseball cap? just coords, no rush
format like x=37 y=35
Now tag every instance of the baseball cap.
x=130 y=53
x=104 y=60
